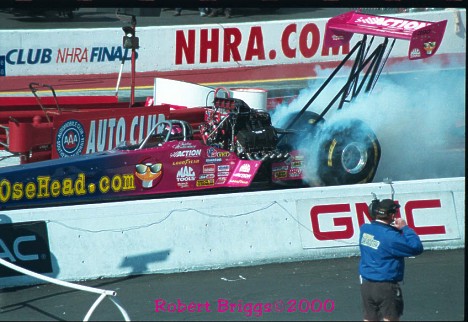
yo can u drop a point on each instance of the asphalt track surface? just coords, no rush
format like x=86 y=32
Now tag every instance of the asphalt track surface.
x=434 y=288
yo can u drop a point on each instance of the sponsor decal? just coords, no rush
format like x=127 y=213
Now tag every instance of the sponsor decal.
x=213 y=160
x=149 y=173
x=245 y=168
x=295 y=172
x=239 y=181
x=242 y=175
x=186 y=154
x=70 y=139
x=25 y=244
x=207 y=176
x=205 y=183
x=185 y=174
x=185 y=162
x=392 y=22
x=184 y=145
x=223 y=174
x=282 y=168
x=213 y=153
x=221 y=180
x=45 y=187
x=429 y=47
x=337 y=38
x=423 y=32
x=106 y=133
x=415 y=53
x=223 y=167
x=296 y=164
x=183 y=184
x=280 y=174
x=209 y=168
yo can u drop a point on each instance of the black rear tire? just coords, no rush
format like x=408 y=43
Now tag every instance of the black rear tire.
x=349 y=153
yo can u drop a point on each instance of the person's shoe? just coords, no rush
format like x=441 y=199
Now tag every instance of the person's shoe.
x=203 y=14
x=213 y=14
x=176 y=14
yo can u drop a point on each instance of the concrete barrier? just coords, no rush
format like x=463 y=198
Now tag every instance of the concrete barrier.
x=217 y=231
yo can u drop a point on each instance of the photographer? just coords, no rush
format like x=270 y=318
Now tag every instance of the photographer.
x=384 y=243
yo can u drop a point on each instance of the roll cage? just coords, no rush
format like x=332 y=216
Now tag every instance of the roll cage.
x=167 y=130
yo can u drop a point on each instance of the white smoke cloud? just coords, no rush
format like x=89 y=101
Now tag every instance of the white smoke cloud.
x=418 y=118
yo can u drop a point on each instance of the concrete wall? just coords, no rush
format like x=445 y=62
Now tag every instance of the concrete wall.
x=195 y=47
x=216 y=231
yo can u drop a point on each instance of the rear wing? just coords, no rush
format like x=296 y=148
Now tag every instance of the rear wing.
x=425 y=36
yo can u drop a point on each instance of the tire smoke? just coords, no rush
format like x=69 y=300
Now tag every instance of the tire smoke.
x=418 y=118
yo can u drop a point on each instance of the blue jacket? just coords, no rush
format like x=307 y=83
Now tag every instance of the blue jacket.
x=383 y=249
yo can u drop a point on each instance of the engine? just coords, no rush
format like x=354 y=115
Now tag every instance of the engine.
x=232 y=125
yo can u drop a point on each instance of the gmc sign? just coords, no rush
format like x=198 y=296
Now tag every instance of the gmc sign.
x=335 y=223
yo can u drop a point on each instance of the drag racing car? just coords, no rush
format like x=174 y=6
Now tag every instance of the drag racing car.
x=225 y=144
x=234 y=146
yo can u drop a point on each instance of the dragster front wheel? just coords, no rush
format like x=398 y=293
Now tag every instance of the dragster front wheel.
x=349 y=153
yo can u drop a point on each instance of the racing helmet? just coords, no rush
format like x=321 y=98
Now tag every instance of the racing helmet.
x=177 y=133
x=178 y=129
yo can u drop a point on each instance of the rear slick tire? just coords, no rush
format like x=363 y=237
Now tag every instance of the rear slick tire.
x=349 y=153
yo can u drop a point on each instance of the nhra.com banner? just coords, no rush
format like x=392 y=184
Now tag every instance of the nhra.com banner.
x=26 y=245
x=194 y=47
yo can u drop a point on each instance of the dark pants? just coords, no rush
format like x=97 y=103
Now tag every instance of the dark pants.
x=381 y=300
